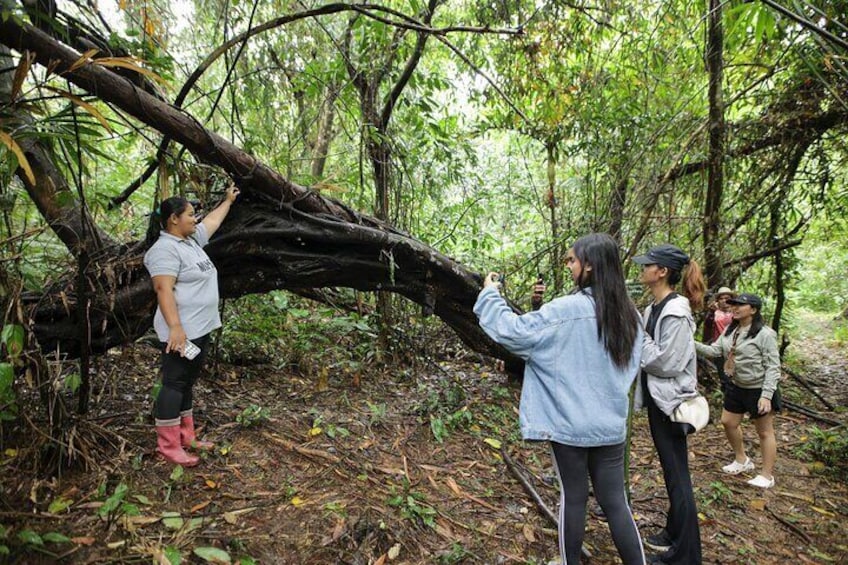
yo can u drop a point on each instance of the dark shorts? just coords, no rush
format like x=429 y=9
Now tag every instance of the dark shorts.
x=740 y=400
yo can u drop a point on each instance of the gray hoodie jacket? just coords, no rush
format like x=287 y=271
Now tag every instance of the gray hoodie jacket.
x=670 y=359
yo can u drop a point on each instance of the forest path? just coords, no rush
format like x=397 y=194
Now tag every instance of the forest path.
x=820 y=351
x=402 y=469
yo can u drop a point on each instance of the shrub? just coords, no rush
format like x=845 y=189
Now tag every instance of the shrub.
x=827 y=450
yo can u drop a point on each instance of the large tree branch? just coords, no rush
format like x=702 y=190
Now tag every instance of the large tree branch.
x=409 y=68
x=796 y=128
x=748 y=260
x=265 y=245
x=280 y=236
x=180 y=126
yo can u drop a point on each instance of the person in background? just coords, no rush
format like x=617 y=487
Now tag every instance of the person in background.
x=721 y=313
x=669 y=378
x=752 y=364
x=581 y=355
x=186 y=285
x=538 y=295
x=718 y=318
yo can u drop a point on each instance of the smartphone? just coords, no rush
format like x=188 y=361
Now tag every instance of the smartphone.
x=191 y=350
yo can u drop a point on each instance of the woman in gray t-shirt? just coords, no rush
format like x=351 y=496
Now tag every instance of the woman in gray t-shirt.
x=186 y=285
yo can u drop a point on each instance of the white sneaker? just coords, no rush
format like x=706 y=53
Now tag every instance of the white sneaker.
x=736 y=467
x=761 y=481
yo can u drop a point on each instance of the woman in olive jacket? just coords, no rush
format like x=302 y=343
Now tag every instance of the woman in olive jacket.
x=753 y=368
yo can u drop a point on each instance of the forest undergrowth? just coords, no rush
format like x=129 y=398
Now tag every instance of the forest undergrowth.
x=409 y=462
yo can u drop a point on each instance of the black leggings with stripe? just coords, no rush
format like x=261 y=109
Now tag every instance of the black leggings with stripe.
x=605 y=465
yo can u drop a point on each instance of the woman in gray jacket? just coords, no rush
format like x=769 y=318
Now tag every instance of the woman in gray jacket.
x=752 y=365
x=668 y=378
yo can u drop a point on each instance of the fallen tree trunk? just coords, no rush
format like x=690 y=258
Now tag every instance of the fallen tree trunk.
x=263 y=247
x=279 y=236
x=810 y=413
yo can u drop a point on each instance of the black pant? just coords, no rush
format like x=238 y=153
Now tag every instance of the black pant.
x=605 y=465
x=178 y=378
x=682 y=519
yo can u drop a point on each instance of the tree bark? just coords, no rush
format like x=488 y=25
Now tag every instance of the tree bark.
x=556 y=250
x=715 y=176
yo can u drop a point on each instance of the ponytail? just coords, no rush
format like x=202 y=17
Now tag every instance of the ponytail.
x=154 y=226
x=694 y=287
x=174 y=205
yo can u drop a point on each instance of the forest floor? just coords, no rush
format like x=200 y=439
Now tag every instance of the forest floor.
x=356 y=474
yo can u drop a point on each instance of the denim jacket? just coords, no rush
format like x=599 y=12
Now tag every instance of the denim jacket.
x=572 y=392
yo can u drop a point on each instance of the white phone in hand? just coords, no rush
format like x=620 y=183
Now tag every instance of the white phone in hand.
x=190 y=351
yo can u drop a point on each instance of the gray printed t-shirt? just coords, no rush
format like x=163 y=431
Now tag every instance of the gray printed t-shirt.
x=196 y=289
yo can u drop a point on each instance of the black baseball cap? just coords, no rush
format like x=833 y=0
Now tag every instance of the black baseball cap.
x=746 y=298
x=665 y=255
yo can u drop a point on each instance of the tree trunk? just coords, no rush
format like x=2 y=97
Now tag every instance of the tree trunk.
x=556 y=250
x=325 y=132
x=715 y=175
x=617 y=201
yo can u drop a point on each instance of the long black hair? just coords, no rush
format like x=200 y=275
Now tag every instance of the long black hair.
x=159 y=218
x=617 y=317
x=757 y=323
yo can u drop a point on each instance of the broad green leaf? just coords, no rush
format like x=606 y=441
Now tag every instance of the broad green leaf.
x=114 y=502
x=142 y=499
x=194 y=524
x=493 y=443
x=130 y=509
x=437 y=426
x=177 y=473
x=29 y=537
x=73 y=381
x=213 y=555
x=172 y=554
x=7 y=377
x=56 y=537
x=13 y=338
x=59 y=505
x=172 y=520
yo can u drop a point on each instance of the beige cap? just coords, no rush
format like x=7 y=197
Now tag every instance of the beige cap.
x=724 y=290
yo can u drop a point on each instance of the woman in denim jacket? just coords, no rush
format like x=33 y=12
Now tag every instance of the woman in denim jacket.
x=582 y=355
x=668 y=378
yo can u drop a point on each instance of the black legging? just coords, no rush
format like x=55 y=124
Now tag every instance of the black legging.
x=178 y=378
x=605 y=465
x=682 y=519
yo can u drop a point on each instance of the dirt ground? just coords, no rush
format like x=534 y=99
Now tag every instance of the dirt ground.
x=355 y=475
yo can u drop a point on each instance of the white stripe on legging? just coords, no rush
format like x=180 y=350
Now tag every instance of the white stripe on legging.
x=561 y=527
